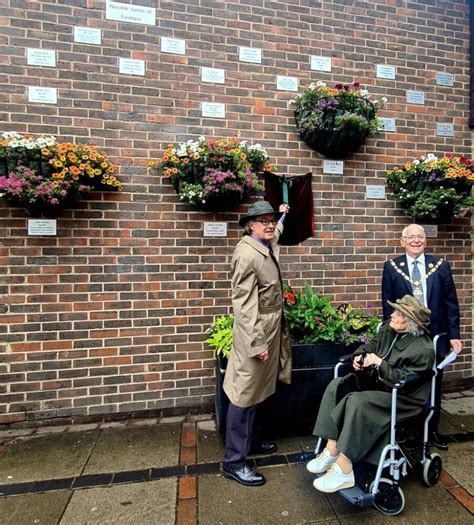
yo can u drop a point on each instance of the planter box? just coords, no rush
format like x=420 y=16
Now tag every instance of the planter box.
x=293 y=408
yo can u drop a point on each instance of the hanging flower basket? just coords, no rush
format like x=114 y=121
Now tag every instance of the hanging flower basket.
x=434 y=190
x=336 y=122
x=213 y=176
x=40 y=173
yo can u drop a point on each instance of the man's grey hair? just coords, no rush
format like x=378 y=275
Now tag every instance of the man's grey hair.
x=404 y=231
x=247 y=230
x=413 y=328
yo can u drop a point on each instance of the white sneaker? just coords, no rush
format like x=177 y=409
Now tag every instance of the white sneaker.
x=321 y=462
x=334 y=480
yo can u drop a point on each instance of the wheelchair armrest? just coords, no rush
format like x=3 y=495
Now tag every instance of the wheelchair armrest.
x=345 y=358
x=412 y=382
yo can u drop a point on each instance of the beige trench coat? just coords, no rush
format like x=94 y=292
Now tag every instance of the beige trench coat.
x=257 y=301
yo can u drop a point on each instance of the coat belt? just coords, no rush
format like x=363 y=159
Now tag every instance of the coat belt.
x=270 y=309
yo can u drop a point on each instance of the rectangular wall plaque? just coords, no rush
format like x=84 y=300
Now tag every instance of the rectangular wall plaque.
x=215 y=229
x=384 y=71
x=176 y=46
x=373 y=191
x=287 y=83
x=415 y=97
x=335 y=167
x=250 y=54
x=213 y=109
x=388 y=125
x=444 y=129
x=444 y=79
x=42 y=95
x=319 y=63
x=41 y=226
x=431 y=230
x=128 y=66
x=41 y=57
x=214 y=76
x=135 y=14
x=87 y=35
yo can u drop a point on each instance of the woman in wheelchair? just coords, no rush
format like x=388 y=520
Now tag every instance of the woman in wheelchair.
x=355 y=411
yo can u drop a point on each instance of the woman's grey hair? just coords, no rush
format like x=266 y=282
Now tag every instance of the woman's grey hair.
x=413 y=328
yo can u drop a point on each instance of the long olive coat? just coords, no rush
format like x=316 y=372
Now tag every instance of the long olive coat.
x=257 y=302
x=359 y=421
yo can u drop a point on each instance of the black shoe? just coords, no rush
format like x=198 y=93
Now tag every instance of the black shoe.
x=264 y=447
x=439 y=441
x=244 y=475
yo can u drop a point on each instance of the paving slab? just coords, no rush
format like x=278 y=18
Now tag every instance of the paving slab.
x=210 y=443
x=432 y=511
x=135 y=448
x=451 y=424
x=458 y=462
x=288 y=497
x=46 y=457
x=144 y=503
x=34 y=508
x=459 y=406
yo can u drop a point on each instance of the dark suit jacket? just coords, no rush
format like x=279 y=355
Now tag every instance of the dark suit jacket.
x=440 y=291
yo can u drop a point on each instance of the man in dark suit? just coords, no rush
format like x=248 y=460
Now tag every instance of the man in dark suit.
x=430 y=280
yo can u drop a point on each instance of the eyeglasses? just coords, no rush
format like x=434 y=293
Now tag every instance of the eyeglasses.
x=414 y=237
x=266 y=222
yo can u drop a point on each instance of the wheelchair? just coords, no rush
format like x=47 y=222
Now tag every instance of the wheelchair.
x=409 y=448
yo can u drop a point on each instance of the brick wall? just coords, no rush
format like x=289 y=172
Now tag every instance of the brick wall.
x=108 y=316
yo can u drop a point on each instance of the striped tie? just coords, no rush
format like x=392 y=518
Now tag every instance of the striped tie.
x=416 y=278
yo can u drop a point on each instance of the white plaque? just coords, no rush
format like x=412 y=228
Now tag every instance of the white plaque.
x=176 y=46
x=415 y=97
x=250 y=54
x=431 y=230
x=128 y=66
x=215 y=229
x=319 y=63
x=384 y=71
x=87 y=35
x=41 y=57
x=41 y=226
x=212 y=75
x=287 y=83
x=135 y=14
x=333 y=166
x=388 y=125
x=373 y=191
x=444 y=79
x=42 y=95
x=444 y=129
x=213 y=109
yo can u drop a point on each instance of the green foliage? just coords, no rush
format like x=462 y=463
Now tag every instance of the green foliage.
x=220 y=338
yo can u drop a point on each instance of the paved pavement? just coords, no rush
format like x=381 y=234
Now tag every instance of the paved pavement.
x=168 y=472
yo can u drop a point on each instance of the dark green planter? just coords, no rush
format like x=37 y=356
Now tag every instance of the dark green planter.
x=293 y=408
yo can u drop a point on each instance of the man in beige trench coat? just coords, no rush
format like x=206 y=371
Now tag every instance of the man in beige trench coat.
x=261 y=348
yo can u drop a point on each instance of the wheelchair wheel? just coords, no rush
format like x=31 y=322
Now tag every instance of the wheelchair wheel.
x=432 y=470
x=390 y=499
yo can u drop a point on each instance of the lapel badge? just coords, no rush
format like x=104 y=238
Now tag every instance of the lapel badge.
x=402 y=264
x=430 y=265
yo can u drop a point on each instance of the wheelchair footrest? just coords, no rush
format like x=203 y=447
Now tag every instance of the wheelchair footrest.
x=357 y=496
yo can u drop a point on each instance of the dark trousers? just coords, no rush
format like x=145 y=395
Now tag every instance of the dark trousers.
x=241 y=430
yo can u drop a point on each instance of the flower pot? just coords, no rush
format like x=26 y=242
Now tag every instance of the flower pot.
x=294 y=407
x=334 y=144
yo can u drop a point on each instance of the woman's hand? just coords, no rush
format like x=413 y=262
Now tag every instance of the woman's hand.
x=358 y=363
x=284 y=208
x=263 y=356
x=372 y=360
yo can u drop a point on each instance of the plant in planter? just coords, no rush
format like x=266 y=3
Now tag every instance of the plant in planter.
x=336 y=121
x=42 y=173
x=320 y=334
x=432 y=188
x=213 y=175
